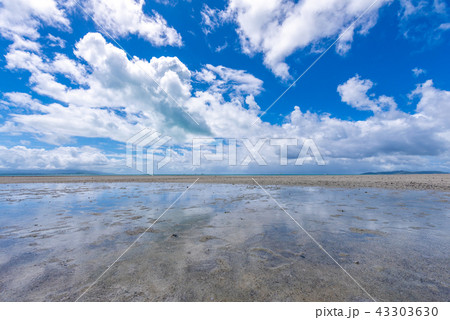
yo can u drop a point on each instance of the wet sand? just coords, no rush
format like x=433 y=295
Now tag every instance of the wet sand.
x=227 y=243
x=407 y=181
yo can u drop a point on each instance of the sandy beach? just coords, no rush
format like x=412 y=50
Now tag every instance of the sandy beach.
x=408 y=181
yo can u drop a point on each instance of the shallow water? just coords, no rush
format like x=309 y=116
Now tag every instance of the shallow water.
x=222 y=243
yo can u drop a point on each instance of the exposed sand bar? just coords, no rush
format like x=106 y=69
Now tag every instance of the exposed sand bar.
x=410 y=181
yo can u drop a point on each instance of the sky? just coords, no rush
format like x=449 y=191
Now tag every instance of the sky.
x=80 y=78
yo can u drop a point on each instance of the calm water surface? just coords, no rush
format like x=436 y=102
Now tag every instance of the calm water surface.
x=222 y=243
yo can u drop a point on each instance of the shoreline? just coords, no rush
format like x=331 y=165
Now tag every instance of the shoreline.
x=439 y=182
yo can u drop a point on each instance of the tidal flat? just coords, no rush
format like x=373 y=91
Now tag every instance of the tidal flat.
x=222 y=242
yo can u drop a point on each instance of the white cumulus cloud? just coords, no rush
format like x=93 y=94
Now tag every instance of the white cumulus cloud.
x=23 y=18
x=354 y=93
x=154 y=90
x=122 y=17
x=278 y=28
x=21 y=157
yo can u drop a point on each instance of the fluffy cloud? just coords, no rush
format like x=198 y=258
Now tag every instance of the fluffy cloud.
x=122 y=17
x=434 y=105
x=389 y=132
x=354 y=93
x=222 y=79
x=111 y=96
x=56 y=124
x=20 y=157
x=277 y=28
x=119 y=97
x=152 y=91
x=20 y=21
x=22 y=18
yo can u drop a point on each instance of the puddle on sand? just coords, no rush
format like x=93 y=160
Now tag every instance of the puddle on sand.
x=221 y=243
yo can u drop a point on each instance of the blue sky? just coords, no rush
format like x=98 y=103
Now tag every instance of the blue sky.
x=72 y=94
